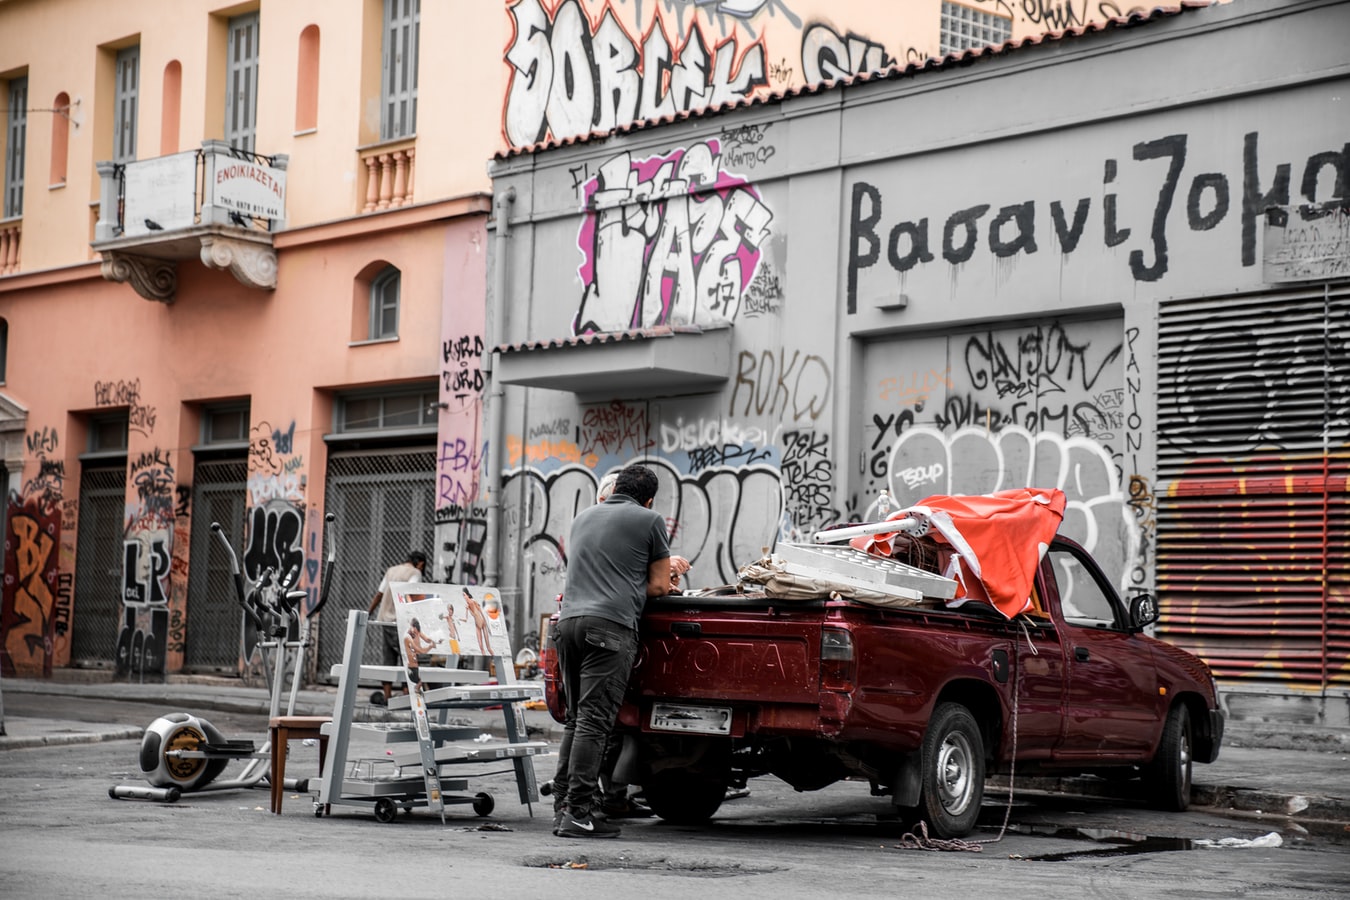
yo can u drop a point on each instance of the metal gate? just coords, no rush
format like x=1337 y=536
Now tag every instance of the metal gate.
x=214 y=620
x=97 y=616
x=384 y=505
x=1254 y=485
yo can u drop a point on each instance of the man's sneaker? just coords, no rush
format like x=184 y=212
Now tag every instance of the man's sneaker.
x=587 y=826
x=630 y=809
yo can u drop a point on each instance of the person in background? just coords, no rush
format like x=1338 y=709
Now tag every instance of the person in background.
x=618 y=556
x=411 y=569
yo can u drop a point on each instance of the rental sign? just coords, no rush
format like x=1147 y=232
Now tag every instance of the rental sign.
x=246 y=187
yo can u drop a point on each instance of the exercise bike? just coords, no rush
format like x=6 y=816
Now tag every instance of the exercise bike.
x=184 y=753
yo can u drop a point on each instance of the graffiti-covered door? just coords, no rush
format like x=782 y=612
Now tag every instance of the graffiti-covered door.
x=384 y=506
x=1034 y=404
x=98 y=568
x=214 y=620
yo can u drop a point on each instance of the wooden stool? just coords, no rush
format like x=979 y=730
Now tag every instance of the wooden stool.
x=283 y=730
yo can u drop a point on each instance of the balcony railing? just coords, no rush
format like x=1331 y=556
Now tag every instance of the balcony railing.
x=217 y=204
x=11 y=238
x=216 y=185
x=390 y=170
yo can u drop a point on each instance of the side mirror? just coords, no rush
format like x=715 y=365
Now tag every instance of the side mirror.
x=1143 y=611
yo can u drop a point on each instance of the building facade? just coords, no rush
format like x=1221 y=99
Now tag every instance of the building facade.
x=960 y=276
x=244 y=248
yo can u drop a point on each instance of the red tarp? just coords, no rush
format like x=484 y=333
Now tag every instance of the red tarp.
x=997 y=541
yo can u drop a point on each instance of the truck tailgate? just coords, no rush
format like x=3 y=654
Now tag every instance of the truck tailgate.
x=745 y=651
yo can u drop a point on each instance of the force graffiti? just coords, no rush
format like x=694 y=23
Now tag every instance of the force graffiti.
x=669 y=239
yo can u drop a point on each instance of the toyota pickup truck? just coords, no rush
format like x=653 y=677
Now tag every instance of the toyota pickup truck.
x=922 y=698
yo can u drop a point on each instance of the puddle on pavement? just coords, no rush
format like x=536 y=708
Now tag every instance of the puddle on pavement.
x=1119 y=843
x=638 y=865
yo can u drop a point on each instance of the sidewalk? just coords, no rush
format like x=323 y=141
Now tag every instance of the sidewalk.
x=1267 y=768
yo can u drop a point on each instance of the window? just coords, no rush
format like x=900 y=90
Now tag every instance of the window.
x=108 y=434
x=126 y=95
x=384 y=291
x=307 y=81
x=241 y=80
x=16 y=136
x=398 y=90
x=409 y=408
x=225 y=425
x=964 y=28
x=1083 y=600
x=4 y=351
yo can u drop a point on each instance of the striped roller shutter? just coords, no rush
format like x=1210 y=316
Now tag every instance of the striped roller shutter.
x=1254 y=485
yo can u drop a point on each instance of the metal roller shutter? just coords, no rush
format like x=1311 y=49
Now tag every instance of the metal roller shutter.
x=1254 y=493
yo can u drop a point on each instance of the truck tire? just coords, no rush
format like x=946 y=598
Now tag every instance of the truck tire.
x=952 y=774
x=682 y=797
x=1168 y=777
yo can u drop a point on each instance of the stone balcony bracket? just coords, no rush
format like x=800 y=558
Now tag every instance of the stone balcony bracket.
x=150 y=265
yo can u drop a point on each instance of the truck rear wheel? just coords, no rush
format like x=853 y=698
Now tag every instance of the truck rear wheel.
x=683 y=797
x=1168 y=777
x=952 y=777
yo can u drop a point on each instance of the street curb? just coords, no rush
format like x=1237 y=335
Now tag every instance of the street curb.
x=28 y=742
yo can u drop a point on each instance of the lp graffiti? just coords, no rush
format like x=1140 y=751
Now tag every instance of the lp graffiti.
x=670 y=240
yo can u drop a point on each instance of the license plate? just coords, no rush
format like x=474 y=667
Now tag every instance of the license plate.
x=694 y=719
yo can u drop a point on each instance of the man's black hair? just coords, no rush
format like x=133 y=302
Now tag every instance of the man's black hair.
x=638 y=482
x=417 y=556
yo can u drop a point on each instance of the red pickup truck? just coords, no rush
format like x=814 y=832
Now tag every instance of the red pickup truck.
x=922 y=701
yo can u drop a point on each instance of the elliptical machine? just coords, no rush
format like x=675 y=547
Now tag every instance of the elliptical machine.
x=184 y=753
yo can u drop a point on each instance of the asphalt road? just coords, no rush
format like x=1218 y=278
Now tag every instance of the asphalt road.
x=62 y=836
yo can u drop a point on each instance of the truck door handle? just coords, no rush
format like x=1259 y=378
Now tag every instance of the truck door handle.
x=686 y=629
x=1081 y=654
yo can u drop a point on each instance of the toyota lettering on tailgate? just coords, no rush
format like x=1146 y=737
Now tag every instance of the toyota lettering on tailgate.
x=741 y=663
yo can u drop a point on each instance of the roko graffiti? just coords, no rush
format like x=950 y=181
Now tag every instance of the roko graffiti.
x=669 y=239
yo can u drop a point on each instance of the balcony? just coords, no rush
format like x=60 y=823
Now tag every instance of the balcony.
x=216 y=204
x=11 y=242
x=389 y=170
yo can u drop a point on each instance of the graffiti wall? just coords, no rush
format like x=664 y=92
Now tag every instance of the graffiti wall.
x=277 y=527
x=912 y=311
x=1035 y=405
x=581 y=66
x=35 y=598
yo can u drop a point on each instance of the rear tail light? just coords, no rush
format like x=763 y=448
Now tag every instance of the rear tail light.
x=836 y=660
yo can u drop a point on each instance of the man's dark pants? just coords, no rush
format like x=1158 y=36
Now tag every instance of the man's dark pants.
x=595 y=657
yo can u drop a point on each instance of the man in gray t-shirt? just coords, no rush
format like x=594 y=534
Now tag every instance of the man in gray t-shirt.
x=618 y=556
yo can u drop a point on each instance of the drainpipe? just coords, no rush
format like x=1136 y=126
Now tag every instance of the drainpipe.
x=493 y=458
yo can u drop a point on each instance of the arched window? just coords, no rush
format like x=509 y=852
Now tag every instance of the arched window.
x=60 y=138
x=384 y=294
x=307 y=81
x=172 y=110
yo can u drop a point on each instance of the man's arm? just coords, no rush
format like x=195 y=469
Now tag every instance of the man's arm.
x=375 y=602
x=658 y=577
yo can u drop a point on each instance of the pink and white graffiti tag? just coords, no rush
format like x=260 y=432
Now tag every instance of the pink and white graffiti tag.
x=667 y=240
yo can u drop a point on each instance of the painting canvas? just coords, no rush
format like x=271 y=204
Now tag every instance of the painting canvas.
x=449 y=620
